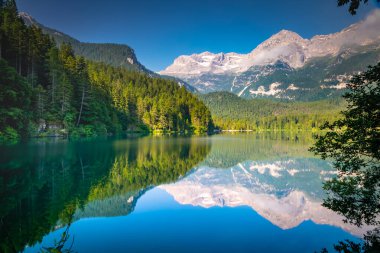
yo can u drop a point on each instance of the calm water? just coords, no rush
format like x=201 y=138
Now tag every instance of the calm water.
x=224 y=193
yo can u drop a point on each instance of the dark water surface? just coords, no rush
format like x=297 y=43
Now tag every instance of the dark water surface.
x=224 y=193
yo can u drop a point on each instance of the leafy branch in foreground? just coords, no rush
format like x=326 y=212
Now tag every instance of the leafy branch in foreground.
x=353 y=4
x=353 y=143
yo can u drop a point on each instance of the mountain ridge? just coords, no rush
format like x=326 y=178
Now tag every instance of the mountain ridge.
x=127 y=53
x=287 y=37
x=114 y=54
x=245 y=74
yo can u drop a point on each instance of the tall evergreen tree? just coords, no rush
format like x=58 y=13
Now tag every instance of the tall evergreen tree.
x=71 y=95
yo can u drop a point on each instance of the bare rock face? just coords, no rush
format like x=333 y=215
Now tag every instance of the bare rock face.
x=286 y=46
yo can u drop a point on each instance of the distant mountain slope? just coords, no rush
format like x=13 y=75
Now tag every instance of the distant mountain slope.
x=117 y=55
x=286 y=65
x=319 y=78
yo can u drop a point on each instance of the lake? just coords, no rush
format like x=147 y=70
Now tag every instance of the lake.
x=222 y=193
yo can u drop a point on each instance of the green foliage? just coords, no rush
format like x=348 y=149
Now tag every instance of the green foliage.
x=116 y=55
x=15 y=100
x=9 y=135
x=146 y=102
x=371 y=244
x=234 y=113
x=354 y=144
x=59 y=93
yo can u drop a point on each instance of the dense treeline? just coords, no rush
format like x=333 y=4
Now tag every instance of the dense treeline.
x=231 y=112
x=47 y=90
x=156 y=103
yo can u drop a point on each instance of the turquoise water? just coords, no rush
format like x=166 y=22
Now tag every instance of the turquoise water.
x=224 y=193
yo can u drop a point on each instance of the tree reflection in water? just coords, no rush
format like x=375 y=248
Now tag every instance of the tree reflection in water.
x=58 y=246
x=44 y=184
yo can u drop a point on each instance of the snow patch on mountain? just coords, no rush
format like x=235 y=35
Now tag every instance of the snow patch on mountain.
x=339 y=86
x=242 y=91
x=207 y=62
x=286 y=46
x=292 y=87
x=130 y=60
x=273 y=90
x=279 y=56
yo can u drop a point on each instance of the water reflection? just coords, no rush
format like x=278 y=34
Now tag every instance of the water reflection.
x=278 y=179
x=47 y=186
x=44 y=185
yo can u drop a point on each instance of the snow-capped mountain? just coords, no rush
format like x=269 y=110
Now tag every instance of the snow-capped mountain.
x=231 y=71
x=207 y=62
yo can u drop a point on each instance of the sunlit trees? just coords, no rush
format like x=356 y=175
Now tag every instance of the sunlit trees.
x=68 y=94
x=234 y=113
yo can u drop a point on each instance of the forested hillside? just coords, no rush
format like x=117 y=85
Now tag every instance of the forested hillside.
x=116 y=55
x=231 y=112
x=46 y=90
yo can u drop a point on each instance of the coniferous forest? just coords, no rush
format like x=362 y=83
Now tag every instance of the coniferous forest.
x=49 y=91
x=288 y=148
x=262 y=114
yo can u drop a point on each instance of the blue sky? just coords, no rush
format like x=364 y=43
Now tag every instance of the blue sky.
x=161 y=30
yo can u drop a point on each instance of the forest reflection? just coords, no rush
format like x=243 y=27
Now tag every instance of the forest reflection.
x=46 y=184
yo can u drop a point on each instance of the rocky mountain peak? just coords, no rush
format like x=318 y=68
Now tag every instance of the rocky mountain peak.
x=286 y=65
x=286 y=46
x=28 y=19
x=287 y=36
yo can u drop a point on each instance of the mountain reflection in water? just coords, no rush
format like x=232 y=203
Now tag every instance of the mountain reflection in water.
x=141 y=189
